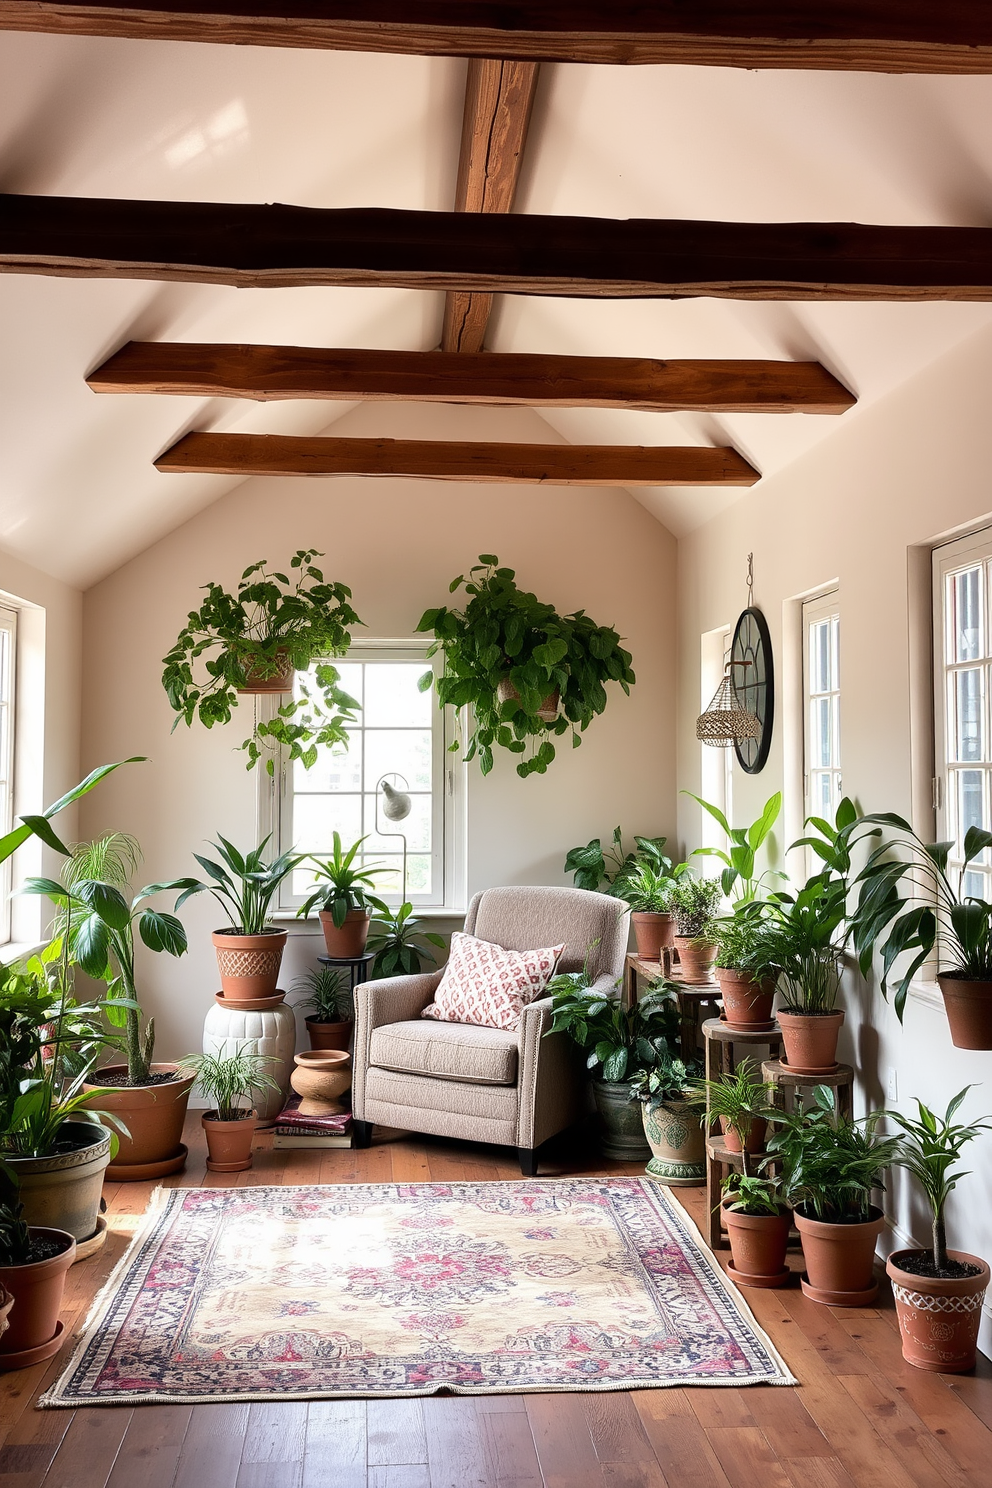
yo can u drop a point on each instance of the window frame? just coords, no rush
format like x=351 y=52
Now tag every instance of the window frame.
x=817 y=608
x=8 y=760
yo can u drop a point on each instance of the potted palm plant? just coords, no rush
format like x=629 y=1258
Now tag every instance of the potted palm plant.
x=807 y=936
x=526 y=673
x=745 y=965
x=938 y=1291
x=738 y=1103
x=33 y=1266
x=328 y=996
x=253 y=641
x=344 y=899
x=672 y=1127
x=148 y=1099
x=694 y=903
x=249 y=949
x=228 y=1080
x=758 y=1222
x=397 y=940
x=829 y=1165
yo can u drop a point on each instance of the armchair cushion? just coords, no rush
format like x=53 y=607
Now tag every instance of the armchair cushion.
x=486 y=985
x=447 y=1051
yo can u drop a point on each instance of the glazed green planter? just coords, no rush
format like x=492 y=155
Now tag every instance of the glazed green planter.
x=63 y=1191
x=623 y=1135
x=675 y=1134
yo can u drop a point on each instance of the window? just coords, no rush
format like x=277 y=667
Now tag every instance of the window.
x=399 y=734
x=716 y=780
x=8 y=654
x=821 y=697
x=962 y=671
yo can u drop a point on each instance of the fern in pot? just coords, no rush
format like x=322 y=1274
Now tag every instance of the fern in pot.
x=230 y=1081
x=694 y=902
x=736 y=1104
x=672 y=1125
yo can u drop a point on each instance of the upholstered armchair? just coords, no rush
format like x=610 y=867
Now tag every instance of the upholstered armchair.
x=515 y=1089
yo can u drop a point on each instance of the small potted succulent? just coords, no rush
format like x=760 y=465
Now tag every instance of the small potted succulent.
x=829 y=1166
x=344 y=897
x=228 y=1080
x=330 y=1022
x=249 y=949
x=33 y=1266
x=397 y=939
x=672 y=1127
x=758 y=1222
x=738 y=1103
x=745 y=966
x=938 y=1291
x=694 y=903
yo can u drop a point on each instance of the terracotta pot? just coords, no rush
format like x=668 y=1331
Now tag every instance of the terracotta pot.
x=622 y=1137
x=651 y=932
x=810 y=1041
x=282 y=681
x=329 y=1035
x=249 y=964
x=969 y=1011
x=228 y=1142
x=154 y=1116
x=321 y=1077
x=840 y=1259
x=63 y=1192
x=754 y=1141
x=34 y=1332
x=938 y=1320
x=547 y=712
x=696 y=958
x=758 y=1244
x=268 y=1031
x=675 y=1135
x=746 y=1003
x=348 y=942
x=6 y=1303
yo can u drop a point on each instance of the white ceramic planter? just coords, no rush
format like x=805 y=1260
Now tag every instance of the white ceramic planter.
x=271 y=1032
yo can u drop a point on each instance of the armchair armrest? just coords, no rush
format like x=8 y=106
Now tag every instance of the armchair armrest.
x=551 y=1079
x=393 y=1000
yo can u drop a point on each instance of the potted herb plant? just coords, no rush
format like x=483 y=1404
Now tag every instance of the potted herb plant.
x=938 y=1291
x=738 y=1104
x=331 y=1021
x=33 y=1266
x=758 y=1222
x=398 y=941
x=253 y=641
x=229 y=1080
x=745 y=965
x=829 y=1166
x=524 y=672
x=620 y=1041
x=149 y=1100
x=694 y=903
x=249 y=949
x=343 y=894
x=807 y=935
x=672 y=1127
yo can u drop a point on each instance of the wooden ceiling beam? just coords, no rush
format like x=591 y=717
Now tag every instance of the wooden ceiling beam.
x=499 y=97
x=861 y=35
x=495 y=464
x=267 y=373
x=259 y=246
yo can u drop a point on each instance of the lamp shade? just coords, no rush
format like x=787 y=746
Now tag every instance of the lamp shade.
x=397 y=805
x=726 y=721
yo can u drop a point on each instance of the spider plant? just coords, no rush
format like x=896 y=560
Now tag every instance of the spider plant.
x=931 y=1148
x=738 y=1098
x=829 y=1164
x=15 y=1238
x=227 y=1079
x=243 y=884
x=329 y=999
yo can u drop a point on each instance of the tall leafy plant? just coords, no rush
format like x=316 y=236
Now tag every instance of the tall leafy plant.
x=397 y=941
x=829 y=1164
x=341 y=886
x=243 y=884
x=931 y=1150
x=740 y=859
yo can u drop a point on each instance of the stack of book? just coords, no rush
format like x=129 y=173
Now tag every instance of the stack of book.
x=293 y=1130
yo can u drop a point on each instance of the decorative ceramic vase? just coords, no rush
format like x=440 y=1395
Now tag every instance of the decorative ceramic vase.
x=547 y=712
x=321 y=1077
x=622 y=1136
x=153 y=1116
x=270 y=1032
x=282 y=681
x=63 y=1192
x=228 y=1142
x=346 y=942
x=34 y=1331
x=249 y=964
x=810 y=1041
x=969 y=1011
x=758 y=1244
x=696 y=958
x=651 y=932
x=747 y=1004
x=938 y=1319
x=675 y=1135
x=329 y=1035
x=840 y=1260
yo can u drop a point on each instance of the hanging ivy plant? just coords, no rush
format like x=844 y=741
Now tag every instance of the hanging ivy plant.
x=526 y=673
x=249 y=638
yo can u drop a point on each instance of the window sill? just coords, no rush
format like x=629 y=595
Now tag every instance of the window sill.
x=19 y=950
x=928 y=993
x=288 y=916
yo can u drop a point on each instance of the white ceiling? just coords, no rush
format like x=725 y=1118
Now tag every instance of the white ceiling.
x=168 y=120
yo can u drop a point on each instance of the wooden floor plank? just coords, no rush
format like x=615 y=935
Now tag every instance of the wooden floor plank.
x=565 y=1448
x=396 y=1433
x=211 y=1451
x=149 y=1453
x=457 y=1447
x=88 y=1451
x=746 y=1457
x=903 y=1429
x=276 y=1432
x=335 y=1451
x=510 y=1447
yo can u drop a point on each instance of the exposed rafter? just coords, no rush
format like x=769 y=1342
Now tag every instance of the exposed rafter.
x=499 y=464
x=872 y=35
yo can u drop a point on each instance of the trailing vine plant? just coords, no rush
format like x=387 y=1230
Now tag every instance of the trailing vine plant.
x=250 y=635
x=507 y=636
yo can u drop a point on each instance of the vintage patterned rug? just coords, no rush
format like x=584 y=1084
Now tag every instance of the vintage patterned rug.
x=393 y=1289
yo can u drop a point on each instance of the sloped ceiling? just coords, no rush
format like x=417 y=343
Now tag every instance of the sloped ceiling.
x=176 y=121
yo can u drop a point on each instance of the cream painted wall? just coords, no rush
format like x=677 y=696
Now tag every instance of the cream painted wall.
x=397 y=544
x=856 y=511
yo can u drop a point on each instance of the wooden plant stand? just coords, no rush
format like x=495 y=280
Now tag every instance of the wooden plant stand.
x=790 y=1087
x=720 y=1042
x=695 y=999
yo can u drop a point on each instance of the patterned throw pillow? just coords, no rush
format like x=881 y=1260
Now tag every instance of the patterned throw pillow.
x=486 y=985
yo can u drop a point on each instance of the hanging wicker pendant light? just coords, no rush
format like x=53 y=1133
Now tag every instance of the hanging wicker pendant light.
x=725 y=721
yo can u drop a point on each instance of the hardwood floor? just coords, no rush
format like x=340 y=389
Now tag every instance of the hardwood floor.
x=860 y=1417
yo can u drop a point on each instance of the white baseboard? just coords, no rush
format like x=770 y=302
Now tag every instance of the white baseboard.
x=893 y=1237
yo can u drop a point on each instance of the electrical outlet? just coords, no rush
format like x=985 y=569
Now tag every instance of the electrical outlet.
x=892 y=1085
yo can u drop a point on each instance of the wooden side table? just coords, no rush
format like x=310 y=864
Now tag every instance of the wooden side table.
x=790 y=1088
x=694 y=999
x=720 y=1042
